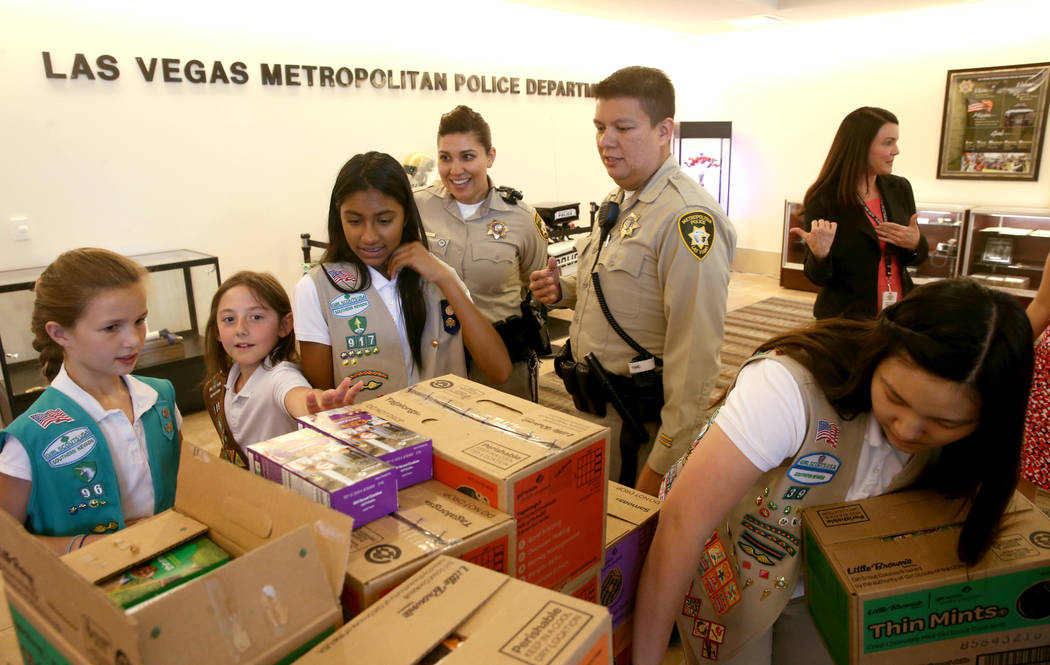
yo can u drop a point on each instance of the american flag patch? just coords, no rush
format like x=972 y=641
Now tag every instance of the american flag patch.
x=50 y=417
x=343 y=276
x=828 y=433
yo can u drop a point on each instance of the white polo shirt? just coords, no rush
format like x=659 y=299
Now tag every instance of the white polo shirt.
x=126 y=441
x=257 y=412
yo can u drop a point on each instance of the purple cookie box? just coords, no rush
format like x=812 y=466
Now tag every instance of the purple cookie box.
x=365 y=501
x=414 y=461
x=628 y=555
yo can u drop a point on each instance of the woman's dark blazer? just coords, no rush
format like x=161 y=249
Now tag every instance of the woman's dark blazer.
x=848 y=275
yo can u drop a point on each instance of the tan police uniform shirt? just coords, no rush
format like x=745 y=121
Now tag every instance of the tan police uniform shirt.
x=665 y=275
x=493 y=251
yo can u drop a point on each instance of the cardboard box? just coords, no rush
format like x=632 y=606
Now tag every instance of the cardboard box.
x=629 y=529
x=10 y=654
x=431 y=519
x=332 y=474
x=585 y=587
x=408 y=452
x=543 y=467
x=278 y=595
x=495 y=619
x=891 y=590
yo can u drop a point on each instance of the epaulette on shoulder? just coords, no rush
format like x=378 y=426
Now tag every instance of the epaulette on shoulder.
x=510 y=195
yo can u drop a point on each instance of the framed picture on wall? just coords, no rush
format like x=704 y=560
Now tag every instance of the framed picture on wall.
x=994 y=123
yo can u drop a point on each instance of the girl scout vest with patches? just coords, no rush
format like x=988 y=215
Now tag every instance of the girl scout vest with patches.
x=75 y=488
x=750 y=565
x=364 y=339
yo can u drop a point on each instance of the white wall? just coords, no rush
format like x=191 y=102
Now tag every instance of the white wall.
x=787 y=89
x=240 y=171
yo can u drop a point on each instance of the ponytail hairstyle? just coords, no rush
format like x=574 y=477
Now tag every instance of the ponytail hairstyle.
x=383 y=173
x=65 y=288
x=269 y=292
x=957 y=330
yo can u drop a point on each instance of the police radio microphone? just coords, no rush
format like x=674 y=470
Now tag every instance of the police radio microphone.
x=607 y=214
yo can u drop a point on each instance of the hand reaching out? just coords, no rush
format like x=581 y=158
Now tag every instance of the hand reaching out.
x=342 y=395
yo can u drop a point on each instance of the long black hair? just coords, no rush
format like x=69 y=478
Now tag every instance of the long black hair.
x=383 y=173
x=957 y=330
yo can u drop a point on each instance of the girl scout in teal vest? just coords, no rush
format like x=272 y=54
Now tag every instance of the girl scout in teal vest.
x=343 y=326
x=940 y=380
x=99 y=447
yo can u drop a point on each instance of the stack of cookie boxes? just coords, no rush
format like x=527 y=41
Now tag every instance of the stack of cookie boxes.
x=542 y=467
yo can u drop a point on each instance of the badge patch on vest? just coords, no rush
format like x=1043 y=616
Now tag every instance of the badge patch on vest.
x=698 y=232
x=85 y=472
x=712 y=633
x=69 y=448
x=368 y=372
x=359 y=325
x=541 y=227
x=814 y=469
x=717 y=576
x=448 y=318
x=165 y=419
x=50 y=417
x=372 y=384
x=340 y=276
x=346 y=305
x=828 y=433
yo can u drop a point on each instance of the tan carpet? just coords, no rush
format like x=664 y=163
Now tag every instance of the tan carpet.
x=746 y=328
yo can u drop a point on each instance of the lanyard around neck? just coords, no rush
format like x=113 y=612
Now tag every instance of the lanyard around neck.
x=887 y=258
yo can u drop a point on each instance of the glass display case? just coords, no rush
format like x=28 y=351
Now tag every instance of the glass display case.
x=704 y=151
x=180 y=286
x=793 y=251
x=1007 y=248
x=943 y=225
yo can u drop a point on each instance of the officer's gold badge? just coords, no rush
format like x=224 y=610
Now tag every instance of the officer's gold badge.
x=540 y=226
x=698 y=232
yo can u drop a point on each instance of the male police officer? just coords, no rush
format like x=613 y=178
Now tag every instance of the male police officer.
x=649 y=295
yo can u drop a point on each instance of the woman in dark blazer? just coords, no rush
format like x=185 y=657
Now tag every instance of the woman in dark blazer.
x=860 y=229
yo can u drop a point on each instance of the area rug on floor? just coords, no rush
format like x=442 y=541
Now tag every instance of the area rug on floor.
x=746 y=328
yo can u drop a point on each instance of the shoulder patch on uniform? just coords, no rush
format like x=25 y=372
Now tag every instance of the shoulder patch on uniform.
x=540 y=226
x=697 y=229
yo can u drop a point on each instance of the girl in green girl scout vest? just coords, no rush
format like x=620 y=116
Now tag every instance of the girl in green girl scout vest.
x=99 y=448
x=380 y=308
x=932 y=392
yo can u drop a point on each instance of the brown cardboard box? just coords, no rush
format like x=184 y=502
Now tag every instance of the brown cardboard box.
x=884 y=585
x=629 y=529
x=431 y=519
x=9 y=651
x=279 y=594
x=543 y=467
x=585 y=587
x=499 y=620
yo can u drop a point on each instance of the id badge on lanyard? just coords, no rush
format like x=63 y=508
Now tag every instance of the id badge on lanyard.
x=889 y=296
